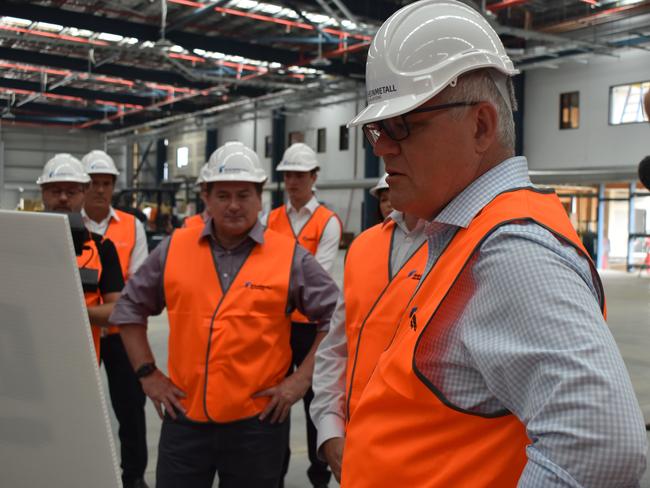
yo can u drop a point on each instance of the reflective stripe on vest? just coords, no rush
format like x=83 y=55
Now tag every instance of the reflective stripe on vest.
x=123 y=235
x=195 y=220
x=223 y=348
x=309 y=236
x=374 y=302
x=402 y=433
x=90 y=259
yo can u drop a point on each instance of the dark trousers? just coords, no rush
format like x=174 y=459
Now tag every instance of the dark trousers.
x=127 y=399
x=302 y=338
x=246 y=454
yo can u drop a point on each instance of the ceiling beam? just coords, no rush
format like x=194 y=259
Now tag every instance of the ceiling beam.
x=144 y=32
x=91 y=95
x=111 y=69
x=151 y=33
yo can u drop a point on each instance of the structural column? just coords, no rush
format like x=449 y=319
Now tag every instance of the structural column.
x=631 y=229
x=278 y=130
x=600 y=246
x=211 y=138
x=370 y=206
x=519 y=83
x=161 y=159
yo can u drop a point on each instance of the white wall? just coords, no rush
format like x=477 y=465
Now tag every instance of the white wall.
x=25 y=150
x=595 y=143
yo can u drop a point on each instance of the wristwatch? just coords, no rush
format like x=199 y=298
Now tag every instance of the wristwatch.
x=145 y=370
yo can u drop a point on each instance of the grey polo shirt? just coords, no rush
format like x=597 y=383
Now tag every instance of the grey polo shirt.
x=311 y=290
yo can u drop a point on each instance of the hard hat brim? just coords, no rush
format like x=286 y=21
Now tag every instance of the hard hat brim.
x=388 y=108
x=62 y=179
x=374 y=191
x=230 y=178
x=299 y=169
x=104 y=172
x=393 y=107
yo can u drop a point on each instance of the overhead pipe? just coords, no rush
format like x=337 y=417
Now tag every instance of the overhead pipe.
x=69 y=98
x=603 y=16
x=272 y=20
x=495 y=7
x=93 y=77
x=53 y=35
x=334 y=53
x=153 y=106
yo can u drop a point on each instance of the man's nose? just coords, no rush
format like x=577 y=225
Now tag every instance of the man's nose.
x=385 y=146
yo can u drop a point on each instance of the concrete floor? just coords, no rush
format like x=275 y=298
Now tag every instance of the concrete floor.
x=628 y=301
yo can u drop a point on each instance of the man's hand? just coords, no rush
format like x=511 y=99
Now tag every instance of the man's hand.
x=332 y=450
x=283 y=396
x=162 y=392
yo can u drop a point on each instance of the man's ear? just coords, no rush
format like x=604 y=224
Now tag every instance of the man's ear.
x=486 y=126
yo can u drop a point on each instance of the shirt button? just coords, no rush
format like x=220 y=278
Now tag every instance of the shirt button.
x=225 y=275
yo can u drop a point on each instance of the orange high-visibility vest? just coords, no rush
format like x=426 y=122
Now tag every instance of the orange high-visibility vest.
x=308 y=237
x=374 y=301
x=224 y=347
x=90 y=259
x=123 y=235
x=402 y=433
x=194 y=221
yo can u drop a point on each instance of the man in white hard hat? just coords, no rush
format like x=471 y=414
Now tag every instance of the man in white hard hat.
x=381 y=192
x=129 y=237
x=501 y=370
x=64 y=184
x=199 y=219
x=229 y=288
x=382 y=268
x=317 y=229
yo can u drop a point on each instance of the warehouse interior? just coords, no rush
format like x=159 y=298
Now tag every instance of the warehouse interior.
x=161 y=84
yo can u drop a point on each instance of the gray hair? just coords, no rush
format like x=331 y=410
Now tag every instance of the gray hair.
x=482 y=86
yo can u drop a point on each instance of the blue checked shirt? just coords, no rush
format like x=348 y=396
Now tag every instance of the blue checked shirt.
x=530 y=338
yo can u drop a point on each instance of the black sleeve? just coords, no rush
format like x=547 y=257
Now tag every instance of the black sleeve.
x=111 y=280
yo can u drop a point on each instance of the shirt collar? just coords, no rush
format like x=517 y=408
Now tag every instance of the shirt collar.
x=311 y=205
x=398 y=217
x=256 y=233
x=112 y=214
x=507 y=175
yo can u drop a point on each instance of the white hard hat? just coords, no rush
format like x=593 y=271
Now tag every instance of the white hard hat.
x=202 y=172
x=63 y=167
x=381 y=185
x=98 y=162
x=423 y=48
x=298 y=157
x=234 y=162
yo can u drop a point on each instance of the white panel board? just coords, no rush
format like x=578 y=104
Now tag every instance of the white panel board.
x=54 y=428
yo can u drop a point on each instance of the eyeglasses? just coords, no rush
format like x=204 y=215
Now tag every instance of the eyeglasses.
x=396 y=127
x=70 y=193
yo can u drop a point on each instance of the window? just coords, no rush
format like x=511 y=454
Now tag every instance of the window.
x=182 y=157
x=321 y=145
x=570 y=110
x=268 y=146
x=626 y=103
x=344 y=138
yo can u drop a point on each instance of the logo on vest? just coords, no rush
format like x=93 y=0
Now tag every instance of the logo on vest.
x=413 y=274
x=309 y=238
x=253 y=286
x=414 y=320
